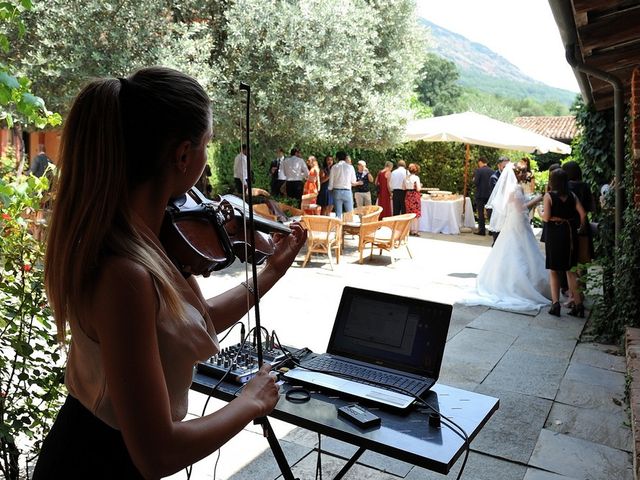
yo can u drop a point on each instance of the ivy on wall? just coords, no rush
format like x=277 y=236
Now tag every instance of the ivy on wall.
x=616 y=300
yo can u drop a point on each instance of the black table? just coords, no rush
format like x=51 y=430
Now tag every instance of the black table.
x=405 y=436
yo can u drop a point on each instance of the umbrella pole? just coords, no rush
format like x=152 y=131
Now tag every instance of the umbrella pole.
x=467 y=155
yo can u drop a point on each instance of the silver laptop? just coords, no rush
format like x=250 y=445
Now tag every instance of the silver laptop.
x=384 y=349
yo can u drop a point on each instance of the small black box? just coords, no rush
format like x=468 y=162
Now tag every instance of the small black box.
x=359 y=415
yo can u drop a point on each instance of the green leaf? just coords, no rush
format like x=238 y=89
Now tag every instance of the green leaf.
x=27 y=4
x=4 y=43
x=9 y=80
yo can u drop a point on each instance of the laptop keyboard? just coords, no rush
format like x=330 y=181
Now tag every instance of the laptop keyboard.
x=366 y=375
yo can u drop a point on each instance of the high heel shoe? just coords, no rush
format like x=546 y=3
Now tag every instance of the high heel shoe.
x=577 y=310
x=555 y=309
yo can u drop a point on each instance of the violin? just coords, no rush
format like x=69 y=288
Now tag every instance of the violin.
x=202 y=235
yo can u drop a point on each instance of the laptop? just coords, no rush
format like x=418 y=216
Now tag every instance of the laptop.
x=397 y=341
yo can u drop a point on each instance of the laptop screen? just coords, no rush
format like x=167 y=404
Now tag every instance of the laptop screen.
x=403 y=333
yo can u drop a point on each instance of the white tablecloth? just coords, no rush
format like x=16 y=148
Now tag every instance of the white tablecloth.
x=445 y=216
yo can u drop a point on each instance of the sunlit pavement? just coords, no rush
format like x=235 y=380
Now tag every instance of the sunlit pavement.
x=562 y=413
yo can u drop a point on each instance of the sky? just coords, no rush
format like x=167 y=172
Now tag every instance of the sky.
x=522 y=31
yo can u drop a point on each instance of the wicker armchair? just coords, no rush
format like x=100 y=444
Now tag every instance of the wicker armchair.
x=388 y=234
x=323 y=235
x=367 y=214
x=263 y=209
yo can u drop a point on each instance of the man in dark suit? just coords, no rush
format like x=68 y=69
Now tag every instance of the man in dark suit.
x=276 y=174
x=482 y=181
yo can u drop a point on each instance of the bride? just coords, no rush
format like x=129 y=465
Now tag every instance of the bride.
x=514 y=275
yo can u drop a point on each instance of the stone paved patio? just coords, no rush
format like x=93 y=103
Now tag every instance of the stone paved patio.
x=562 y=411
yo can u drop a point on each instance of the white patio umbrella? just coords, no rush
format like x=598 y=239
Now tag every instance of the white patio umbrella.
x=473 y=128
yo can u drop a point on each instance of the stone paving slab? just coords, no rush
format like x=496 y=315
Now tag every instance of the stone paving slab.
x=606 y=357
x=502 y=322
x=478 y=467
x=589 y=375
x=580 y=394
x=527 y=373
x=599 y=426
x=306 y=469
x=472 y=354
x=545 y=341
x=463 y=376
x=512 y=431
x=567 y=455
x=264 y=466
x=565 y=324
x=463 y=315
x=535 y=474
x=385 y=464
x=346 y=450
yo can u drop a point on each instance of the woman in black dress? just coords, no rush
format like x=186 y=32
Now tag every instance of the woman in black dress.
x=581 y=190
x=325 y=199
x=561 y=242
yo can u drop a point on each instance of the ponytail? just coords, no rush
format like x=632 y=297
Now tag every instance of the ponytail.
x=100 y=161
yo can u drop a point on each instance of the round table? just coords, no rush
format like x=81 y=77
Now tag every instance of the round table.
x=445 y=216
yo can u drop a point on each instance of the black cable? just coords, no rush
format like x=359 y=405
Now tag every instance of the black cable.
x=215 y=465
x=229 y=331
x=297 y=394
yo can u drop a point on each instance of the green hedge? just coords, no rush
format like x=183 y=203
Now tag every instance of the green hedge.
x=441 y=163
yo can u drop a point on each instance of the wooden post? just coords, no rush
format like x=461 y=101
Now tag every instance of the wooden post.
x=467 y=155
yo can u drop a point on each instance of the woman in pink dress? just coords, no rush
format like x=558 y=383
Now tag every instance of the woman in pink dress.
x=412 y=199
x=311 y=187
x=382 y=185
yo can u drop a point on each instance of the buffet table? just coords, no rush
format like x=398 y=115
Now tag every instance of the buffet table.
x=445 y=216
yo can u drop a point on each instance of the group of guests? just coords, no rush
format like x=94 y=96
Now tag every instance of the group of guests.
x=399 y=191
x=514 y=275
x=336 y=185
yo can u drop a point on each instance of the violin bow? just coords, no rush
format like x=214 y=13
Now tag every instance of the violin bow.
x=252 y=234
x=267 y=431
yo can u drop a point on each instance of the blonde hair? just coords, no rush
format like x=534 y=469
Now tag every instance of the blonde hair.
x=117 y=136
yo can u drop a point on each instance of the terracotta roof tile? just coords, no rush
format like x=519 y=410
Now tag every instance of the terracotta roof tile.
x=559 y=128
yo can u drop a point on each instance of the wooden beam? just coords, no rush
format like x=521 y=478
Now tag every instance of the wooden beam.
x=624 y=75
x=610 y=30
x=587 y=6
x=606 y=100
x=616 y=58
x=603 y=98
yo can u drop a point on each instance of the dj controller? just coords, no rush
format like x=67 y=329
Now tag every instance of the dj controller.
x=239 y=363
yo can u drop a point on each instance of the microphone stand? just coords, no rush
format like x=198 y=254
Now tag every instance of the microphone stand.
x=264 y=421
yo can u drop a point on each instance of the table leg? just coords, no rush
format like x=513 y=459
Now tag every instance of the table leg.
x=349 y=464
x=276 y=449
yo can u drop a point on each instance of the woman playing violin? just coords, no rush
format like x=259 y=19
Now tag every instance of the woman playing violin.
x=137 y=326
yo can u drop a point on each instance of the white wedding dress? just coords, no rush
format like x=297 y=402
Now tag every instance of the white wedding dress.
x=514 y=276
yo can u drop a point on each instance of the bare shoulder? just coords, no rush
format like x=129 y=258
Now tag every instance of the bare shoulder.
x=124 y=290
x=122 y=275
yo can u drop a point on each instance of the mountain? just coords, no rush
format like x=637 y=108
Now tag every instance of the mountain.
x=485 y=70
